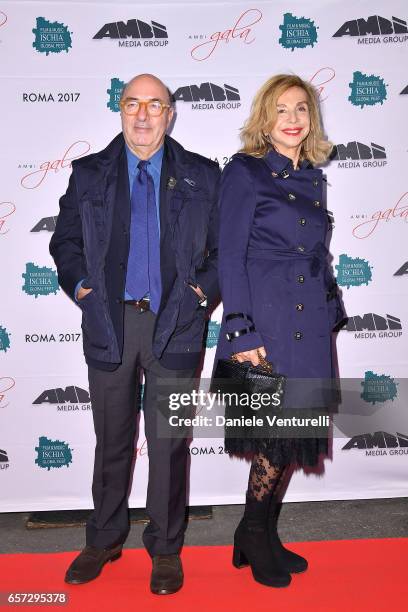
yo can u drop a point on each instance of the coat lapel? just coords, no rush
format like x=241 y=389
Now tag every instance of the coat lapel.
x=177 y=186
x=120 y=190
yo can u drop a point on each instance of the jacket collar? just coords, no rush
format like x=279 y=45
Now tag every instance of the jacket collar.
x=179 y=165
x=114 y=148
x=279 y=163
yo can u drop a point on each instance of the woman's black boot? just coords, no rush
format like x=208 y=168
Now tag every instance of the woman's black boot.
x=252 y=546
x=292 y=562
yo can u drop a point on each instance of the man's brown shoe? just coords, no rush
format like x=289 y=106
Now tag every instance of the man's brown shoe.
x=89 y=563
x=167 y=574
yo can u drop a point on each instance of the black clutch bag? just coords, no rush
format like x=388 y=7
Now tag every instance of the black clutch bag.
x=241 y=386
x=248 y=378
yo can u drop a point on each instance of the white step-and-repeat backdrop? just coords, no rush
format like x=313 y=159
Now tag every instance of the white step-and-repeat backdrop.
x=62 y=67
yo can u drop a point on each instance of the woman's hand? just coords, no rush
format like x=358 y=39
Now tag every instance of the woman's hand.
x=251 y=355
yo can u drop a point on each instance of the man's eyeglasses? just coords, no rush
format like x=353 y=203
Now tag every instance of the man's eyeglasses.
x=154 y=108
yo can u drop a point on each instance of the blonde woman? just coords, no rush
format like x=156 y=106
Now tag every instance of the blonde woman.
x=279 y=296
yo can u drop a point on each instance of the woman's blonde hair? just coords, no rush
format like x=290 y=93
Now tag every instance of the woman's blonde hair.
x=255 y=132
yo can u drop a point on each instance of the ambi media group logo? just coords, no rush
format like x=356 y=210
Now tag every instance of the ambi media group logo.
x=297 y=32
x=379 y=443
x=51 y=37
x=353 y=271
x=367 y=90
x=4 y=460
x=382 y=30
x=356 y=154
x=39 y=280
x=402 y=270
x=372 y=325
x=46 y=224
x=207 y=96
x=139 y=32
x=70 y=399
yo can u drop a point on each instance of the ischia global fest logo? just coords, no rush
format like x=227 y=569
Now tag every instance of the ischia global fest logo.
x=114 y=94
x=51 y=37
x=367 y=90
x=213 y=334
x=378 y=388
x=39 y=280
x=4 y=339
x=297 y=32
x=353 y=271
x=52 y=453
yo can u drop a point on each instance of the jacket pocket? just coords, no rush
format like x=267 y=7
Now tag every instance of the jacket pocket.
x=189 y=307
x=191 y=321
x=94 y=320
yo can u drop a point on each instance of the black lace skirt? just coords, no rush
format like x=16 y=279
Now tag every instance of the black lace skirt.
x=281 y=451
x=303 y=447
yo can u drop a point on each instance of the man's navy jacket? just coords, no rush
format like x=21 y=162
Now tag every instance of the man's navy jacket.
x=91 y=242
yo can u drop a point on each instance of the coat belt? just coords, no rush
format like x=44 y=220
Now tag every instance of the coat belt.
x=317 y=256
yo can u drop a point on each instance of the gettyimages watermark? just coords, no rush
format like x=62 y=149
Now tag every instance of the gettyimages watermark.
x=237 y=415
x=308 y=408
x=208 y=399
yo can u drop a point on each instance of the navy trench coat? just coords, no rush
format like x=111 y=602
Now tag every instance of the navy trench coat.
x=274 y=274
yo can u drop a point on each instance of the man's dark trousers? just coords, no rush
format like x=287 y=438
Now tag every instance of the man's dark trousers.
x=115 y=403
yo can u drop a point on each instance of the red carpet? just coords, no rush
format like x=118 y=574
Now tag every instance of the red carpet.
x=352 y=576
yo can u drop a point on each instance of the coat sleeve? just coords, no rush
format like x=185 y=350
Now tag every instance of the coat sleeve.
x=336 y=309
x=207 y=275
x=66 y=246
x=237 y=208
